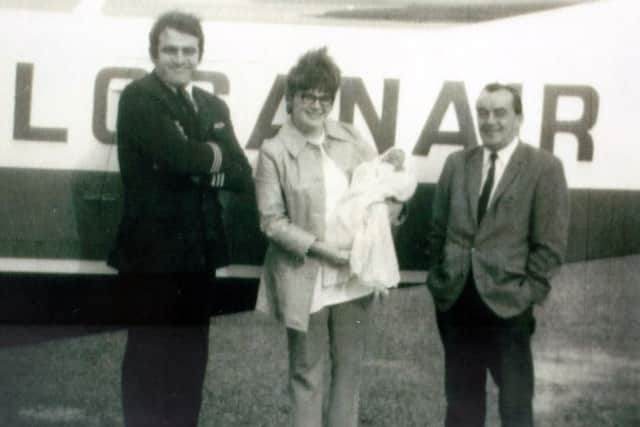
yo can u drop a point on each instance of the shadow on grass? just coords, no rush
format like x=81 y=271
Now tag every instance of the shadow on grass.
x=585 y=350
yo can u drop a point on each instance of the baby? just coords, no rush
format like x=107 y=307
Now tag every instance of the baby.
x=361 y=219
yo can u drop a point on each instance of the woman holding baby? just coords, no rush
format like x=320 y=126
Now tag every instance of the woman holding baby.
x=303 y=176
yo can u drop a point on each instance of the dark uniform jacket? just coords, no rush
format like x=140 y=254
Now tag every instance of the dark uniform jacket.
x=172 y=220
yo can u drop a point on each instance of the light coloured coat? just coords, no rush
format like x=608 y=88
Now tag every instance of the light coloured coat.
x=291 y=201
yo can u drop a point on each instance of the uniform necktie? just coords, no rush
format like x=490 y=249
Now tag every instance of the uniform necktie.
x=487 y=187
x=186 y=99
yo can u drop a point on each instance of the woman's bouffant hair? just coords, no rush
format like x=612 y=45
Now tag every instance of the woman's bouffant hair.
x=315 y=70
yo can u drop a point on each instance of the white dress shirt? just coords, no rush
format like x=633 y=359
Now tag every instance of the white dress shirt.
x=504 y=155
x=189 y=91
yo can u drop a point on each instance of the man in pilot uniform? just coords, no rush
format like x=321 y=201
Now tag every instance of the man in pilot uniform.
x=176 y=149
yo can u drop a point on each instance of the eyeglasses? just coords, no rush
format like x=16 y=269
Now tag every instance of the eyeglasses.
x=308 y=98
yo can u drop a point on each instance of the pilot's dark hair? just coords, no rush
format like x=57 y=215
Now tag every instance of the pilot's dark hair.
x=314 y=70
x=517 y=99
x=179 y=21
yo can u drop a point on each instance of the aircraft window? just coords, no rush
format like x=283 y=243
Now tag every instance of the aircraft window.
x=40 y=5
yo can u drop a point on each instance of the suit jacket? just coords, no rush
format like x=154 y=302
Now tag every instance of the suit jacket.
x=171 y=220
x=520 y=242
x=290 y=191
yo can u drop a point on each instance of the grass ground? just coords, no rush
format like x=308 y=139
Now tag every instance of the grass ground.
x=586 y=352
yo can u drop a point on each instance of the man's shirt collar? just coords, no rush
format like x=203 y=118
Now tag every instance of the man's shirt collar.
x=504 y=154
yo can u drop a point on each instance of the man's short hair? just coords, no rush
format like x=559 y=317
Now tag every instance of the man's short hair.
x=179 y=21
x=314 y=70
x=517 y=99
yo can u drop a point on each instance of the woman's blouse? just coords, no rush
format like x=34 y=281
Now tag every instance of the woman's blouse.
x=333 y=285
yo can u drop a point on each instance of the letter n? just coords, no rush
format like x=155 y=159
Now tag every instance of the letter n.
x=382 y=129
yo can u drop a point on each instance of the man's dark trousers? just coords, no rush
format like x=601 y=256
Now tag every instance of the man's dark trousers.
x=475 y=341
x=165 y=359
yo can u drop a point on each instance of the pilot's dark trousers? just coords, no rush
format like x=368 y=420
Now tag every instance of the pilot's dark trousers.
x=477 y=341
x=165 y=358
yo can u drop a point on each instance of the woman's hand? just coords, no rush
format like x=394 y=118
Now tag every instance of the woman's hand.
x=340 y=257
x=329 y=253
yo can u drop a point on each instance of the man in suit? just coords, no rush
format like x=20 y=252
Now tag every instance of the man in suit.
x=177 y=149
x=499 y=233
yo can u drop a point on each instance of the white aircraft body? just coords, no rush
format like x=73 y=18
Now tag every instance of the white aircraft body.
x=405 y=84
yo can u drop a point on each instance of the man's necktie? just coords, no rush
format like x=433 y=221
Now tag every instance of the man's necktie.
x=189 y=120
x=186 y=100
x=487 y=187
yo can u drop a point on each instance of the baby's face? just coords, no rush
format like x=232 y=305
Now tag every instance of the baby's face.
x=395 y=156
